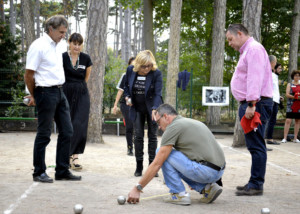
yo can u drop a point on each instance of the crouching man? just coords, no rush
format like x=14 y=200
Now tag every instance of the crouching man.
x=188 y=152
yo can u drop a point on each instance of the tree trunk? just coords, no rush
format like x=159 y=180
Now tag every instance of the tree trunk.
x=217 y=57
x=127 y=34
x=173 y=52
x=28 y=22
x=2 y=15
x=135 y=30
x=251 y=20
x=252 y=16
x=12 y=18
x=97 y=17
x=37 y=18
x=116 y=43
x=294 y=44
x=148 y=26
x=121 y=33
x=22 y=31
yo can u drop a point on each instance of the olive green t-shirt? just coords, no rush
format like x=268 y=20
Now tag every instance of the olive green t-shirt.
x=194 y=140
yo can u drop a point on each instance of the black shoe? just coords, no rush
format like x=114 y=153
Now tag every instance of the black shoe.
x=137 y=174
x=44 y=178
x=272 y=142
x=69 y=177
x=139 y=169
x=249 y=192
x=268 y=149
x=129 y=152
x=242 y=187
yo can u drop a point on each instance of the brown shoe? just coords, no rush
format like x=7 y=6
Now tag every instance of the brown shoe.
x=249 y=192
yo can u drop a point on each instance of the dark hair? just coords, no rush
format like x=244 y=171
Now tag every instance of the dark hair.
x=166 y=109
x=277 y=65
x=294 y=73
x=130 y=60
x=76 y=38
x=55 y=22
x=234 y=28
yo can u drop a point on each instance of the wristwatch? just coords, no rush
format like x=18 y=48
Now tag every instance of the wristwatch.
x=251 y=104
x=139 y=187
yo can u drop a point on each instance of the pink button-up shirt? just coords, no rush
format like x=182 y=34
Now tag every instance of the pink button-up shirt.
x=252 y=78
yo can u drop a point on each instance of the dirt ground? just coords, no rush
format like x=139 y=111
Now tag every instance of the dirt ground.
x=108 y=173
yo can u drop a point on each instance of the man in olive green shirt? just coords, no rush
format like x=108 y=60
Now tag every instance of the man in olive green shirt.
x=188 y=152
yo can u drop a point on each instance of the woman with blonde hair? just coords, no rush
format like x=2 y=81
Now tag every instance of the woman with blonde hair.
x=143 y=93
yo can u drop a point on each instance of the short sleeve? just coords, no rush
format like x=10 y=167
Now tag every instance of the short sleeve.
x=33 y=58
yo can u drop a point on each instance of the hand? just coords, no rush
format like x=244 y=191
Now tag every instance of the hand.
x=134 y=196
x=154 y=114
x=128 y=101
x=250 y=112
x=32 y=101
x=281 y=99
x=115 y=110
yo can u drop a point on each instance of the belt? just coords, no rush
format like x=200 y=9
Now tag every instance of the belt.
x=54 y=86
x=261 y=98
x=213 y=166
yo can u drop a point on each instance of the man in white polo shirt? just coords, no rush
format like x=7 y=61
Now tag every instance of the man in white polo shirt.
x=44 y=77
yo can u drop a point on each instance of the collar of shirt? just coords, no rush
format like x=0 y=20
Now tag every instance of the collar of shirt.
x=245 y=45
x=49 y=39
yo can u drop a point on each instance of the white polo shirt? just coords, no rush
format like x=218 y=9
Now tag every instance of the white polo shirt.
x=45 y=58
x=276 y=94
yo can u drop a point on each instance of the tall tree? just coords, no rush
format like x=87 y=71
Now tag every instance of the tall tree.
x=127 y=34
x=294 y=44
x=28 y=22
x=116 y=43
x=252 y=16
x=121 y=32
x=96 y=47
x=12 y=18
x=251 y=20
x=173 y=52
x=217 y=57
x=2 y=15
x=148 y=36
x=37 y=18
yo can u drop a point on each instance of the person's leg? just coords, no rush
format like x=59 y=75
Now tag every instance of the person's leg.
x=64 y=125
x=272 y=122
x=139 y=125
x=45 y=104
x=128 y=127
x=152 y=138
x=256 y=144
x=296 y=130
x=287 y=125
x=197 y=176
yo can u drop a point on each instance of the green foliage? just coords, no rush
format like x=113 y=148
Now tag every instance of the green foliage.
x=11 y=71
x=114 y=69
x=16 y=109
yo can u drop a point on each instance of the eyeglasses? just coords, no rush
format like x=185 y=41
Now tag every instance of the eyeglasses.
x=159 y=120
x=146 y=66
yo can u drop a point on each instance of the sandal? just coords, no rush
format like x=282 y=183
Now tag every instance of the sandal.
x=75 y=166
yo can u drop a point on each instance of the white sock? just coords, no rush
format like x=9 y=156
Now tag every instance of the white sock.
x=184 y=193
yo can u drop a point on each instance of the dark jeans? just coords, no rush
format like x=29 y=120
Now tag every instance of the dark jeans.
x=139 y=126
x=129 y=125
x=256 y=144
x=52 y=104
x=272 y=121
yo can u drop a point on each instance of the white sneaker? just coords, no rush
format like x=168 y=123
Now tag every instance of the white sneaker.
x=211 y=194
x=283 y=140
x=174 y=198
x=296 y=141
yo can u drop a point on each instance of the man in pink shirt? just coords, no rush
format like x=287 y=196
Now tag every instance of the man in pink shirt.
x=251 y=85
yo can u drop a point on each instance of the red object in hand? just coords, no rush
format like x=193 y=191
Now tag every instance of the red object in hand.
x=250 y=124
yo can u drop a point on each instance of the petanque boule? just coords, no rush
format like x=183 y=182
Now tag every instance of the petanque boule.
x=121 y=200
x=26 y=100
x=265 y=211
x=78 y=208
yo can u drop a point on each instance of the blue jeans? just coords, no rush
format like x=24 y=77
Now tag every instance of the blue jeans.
x=51 y=103
x=256 y=144
x=178 y=166
x=272 y=121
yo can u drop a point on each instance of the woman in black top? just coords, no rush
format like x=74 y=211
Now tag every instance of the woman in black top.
x=143 y=86
x=77 y=67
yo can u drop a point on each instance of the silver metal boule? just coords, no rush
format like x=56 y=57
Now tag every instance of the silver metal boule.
x=265 y=211
x=129 y=101
x=26 y=100
x=121 y=200
x=78 y=208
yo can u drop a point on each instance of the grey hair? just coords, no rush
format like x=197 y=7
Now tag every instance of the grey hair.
x=166 y=109
x=272 y=58
x=55 y=22
x=235 y=28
